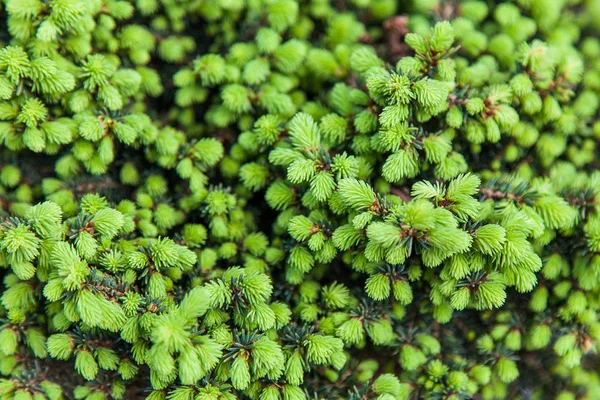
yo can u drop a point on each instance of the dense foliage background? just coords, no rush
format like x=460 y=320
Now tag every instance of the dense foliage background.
x=286 y=200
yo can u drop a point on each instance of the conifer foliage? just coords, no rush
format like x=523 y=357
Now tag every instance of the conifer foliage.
x=299 y=200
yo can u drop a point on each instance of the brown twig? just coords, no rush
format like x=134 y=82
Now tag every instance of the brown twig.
x=395 y=30
x=402 y=192
x=496 y=194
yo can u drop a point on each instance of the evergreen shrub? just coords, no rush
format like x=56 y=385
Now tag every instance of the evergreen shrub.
x=299 y=199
